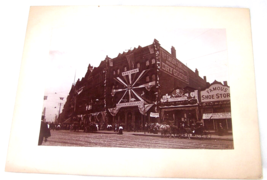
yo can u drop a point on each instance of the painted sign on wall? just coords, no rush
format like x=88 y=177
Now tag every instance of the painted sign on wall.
x=173 y=67
x=216 y=92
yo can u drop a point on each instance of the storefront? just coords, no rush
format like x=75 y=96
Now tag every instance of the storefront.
x=215 y=107
x=180 y=108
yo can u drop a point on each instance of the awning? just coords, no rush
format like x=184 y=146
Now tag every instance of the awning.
x=223 y=115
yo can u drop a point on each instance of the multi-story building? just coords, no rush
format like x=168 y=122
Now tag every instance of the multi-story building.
x=146 y=84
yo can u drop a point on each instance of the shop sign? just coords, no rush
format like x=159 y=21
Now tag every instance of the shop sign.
x=129 y=104
x=130 y=72
x=215 y=92
x=180 y=97
x=155 y=115
x=224 y=115
x=173 y=67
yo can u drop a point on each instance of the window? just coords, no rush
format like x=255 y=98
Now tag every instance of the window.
x=138 y=65
x=125 y=68
x=153 y=61
x=114 y=72
x=118 y=71
x=147 y=79
x=153 y=77
x=147 y=63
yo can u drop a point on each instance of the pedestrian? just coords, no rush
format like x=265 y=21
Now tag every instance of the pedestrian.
x=44 y=133
x=115 y=127
x=120 y=129
x=145 y=128
x=220 y=130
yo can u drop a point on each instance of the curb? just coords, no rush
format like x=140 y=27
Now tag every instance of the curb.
x=212 y=138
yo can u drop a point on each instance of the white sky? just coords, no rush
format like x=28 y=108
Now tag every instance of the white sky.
x=82 y=39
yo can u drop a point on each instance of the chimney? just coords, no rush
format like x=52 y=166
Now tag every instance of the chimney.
x=205 y=79
x=90 y=68
x=173 y=52
x=225 y=83
x=196 y=71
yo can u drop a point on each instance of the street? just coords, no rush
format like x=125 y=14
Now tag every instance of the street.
x=132 y=140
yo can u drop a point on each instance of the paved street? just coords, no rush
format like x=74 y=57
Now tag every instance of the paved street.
x=133 y=140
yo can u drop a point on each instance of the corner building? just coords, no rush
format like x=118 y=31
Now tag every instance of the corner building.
x=146 y=84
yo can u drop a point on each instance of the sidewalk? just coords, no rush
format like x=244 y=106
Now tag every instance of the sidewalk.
x=228 y=137
x=213 y=136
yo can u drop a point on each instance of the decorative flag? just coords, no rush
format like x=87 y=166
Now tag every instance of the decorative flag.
x=45 y=97
x=61 y=98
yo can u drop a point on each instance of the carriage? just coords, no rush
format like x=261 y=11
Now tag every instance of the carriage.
x=183 y=132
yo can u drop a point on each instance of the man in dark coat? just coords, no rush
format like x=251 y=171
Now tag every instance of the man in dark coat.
x=44 y=132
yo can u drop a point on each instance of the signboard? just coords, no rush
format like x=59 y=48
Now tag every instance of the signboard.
x=130 y=72
x=224 y=115
x=155 y=115
x=129 y=104
x=179 y=97
x=216 y=92
x=173 y=67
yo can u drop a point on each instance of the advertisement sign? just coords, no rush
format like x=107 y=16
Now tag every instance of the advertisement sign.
x=155 y=115
x=129 y=104
x=223 y=115
x=180 y=97
x=173 y=67
x=216 y=92
x=130 y=72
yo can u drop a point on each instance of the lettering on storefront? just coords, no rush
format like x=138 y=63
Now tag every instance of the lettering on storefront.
x=223 y=115
x=130 y=72
x=129 y=104
x=173 y=67
x=215 y=92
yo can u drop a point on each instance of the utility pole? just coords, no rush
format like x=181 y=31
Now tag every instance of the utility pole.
x=59 y=110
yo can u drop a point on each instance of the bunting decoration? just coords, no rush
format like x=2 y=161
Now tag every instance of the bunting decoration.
x=114 y=111
x=157 y=50
x=130 y=85
x=144 y=108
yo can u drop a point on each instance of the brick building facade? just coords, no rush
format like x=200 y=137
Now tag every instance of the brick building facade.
x=146 y=84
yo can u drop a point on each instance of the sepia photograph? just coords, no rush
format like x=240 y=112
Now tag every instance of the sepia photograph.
x=172 y=93
x=136 y=91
